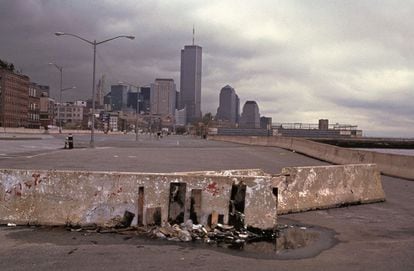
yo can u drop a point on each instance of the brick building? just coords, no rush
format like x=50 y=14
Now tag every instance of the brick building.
x=14 y=99
x=33 y=114
x=69 y=114
x=47 y=109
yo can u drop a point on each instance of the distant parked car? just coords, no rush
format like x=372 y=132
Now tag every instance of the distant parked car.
x=52 y=127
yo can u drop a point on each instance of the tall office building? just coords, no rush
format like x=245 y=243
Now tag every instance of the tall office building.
x=133 y=98
x=237 y=109
x=229 y=105
x=100 y=92
x=190 y=81
x=163 y=92
x=107 y=102
x=119 y=97
x=250 y=117
x=145 y=100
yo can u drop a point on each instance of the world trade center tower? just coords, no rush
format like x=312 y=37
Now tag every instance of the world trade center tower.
x=190 y=81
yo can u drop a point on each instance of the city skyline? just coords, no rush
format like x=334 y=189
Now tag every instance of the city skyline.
x=349 y=61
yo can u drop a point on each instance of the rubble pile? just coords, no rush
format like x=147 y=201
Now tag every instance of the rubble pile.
x=117 y=224
x=218 y=233
x=186 y=232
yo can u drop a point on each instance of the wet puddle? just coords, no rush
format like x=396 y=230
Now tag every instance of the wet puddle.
x=293 y=241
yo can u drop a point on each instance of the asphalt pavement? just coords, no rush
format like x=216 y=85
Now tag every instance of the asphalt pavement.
x=148 y=154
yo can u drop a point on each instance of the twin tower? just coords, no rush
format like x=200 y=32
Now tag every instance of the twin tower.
x=190 y=81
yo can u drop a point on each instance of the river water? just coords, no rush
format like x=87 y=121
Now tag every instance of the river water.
x=393 y=151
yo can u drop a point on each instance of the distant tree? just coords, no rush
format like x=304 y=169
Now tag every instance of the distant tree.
x=3 y=64
x=180 y=130
x=207 y=118
x=201 y=127
x=7 y=66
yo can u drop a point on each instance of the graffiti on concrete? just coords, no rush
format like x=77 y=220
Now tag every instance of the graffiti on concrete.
x=12 y=187
x=213 y=188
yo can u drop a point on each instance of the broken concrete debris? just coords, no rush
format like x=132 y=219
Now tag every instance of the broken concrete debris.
x=113 y=225
x=184 y=232
x=218 y=233
x=120 y=222
x=127 y=219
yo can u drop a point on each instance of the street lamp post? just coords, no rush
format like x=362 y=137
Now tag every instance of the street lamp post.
x=94 y=43
x=136 y=113
x=60 y=68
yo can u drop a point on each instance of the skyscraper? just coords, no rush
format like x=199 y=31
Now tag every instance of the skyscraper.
x=145 y=101
x=119 y=97
x=228 y=109
x=250 y=117
x=163 y=92
x=237 y=109
x=100 y=91
x=190 y=81
x=132 y=100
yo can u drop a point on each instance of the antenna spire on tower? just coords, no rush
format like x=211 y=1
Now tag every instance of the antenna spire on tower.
x=193 y=34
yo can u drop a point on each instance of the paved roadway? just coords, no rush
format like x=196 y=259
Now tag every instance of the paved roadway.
x=148 y=154
x=368 y=237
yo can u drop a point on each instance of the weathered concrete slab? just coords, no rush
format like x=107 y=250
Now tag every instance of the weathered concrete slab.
x=61 y=197
x=306 y=188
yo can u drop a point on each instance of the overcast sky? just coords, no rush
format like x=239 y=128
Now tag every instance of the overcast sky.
x=350 y=61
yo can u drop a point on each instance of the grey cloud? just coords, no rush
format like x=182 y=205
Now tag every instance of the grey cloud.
x=392 y=107
x=315 y=68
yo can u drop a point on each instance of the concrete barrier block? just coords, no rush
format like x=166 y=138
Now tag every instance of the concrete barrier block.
x=61 y=197
x=261 y=203
x=307 y=188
